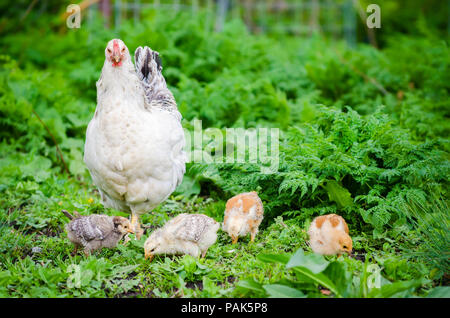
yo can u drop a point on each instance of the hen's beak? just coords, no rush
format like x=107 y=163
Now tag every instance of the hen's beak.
x=148 y=255
x=116 y=58
x=234 y=239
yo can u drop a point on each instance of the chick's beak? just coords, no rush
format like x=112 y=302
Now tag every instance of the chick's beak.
x=148 y=255
x=130 y=231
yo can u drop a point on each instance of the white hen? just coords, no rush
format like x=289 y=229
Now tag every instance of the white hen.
x=134 y=143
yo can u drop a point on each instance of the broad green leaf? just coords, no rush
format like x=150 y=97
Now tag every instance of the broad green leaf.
x=273 y=258
x=390 y=290
x=282 y=291
x=189 y=186
x=314 y=262
x=251 y=284
x=39 y=168
x=320 y=279
x=439 y=292
x=76 y=165
x=341 y=278
x=338 y=194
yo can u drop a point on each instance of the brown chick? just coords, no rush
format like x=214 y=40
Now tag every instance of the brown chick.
x=96 y=231
x=329 y=235
x=243 y=214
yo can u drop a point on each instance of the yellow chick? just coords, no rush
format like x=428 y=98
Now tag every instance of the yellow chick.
x=329 y=235
x=243 y=214
x=189 y=234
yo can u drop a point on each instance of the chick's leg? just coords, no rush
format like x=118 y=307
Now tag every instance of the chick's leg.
x=87 y=251
x=138 y=231
x=252 y=236
x=75 y=250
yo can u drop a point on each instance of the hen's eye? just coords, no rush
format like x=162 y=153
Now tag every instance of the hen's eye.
x=123 y=49
x=109 y=51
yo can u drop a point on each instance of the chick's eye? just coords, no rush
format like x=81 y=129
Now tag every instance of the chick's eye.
x=345 y=246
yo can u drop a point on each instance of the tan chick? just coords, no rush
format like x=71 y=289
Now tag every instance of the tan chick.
x=329 y=235
x=243 y=214
x=96 y=231
x=190 y=234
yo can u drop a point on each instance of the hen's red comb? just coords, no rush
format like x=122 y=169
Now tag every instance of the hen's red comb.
x=115 y=45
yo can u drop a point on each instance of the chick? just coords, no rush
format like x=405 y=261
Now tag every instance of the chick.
x=243 y=214
x=96 y=231
x=329 y=235
x=189 y=234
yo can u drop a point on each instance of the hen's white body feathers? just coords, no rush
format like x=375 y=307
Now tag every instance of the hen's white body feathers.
x=133 y=150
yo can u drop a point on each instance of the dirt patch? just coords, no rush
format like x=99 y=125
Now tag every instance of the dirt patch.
x=49 y=232
x=194 y=285
x=130 y=294
x=359 y=256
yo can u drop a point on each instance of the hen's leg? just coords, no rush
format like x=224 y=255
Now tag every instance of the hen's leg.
x=138 y=231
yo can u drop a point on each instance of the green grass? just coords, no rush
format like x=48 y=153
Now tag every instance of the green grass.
x=226 y=271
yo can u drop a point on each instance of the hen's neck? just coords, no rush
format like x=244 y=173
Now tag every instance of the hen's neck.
x=118 y=83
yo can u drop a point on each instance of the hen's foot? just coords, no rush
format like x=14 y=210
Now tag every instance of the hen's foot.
x=138 y=231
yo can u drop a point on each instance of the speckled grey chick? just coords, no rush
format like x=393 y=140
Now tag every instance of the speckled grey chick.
x=189 y=234
x=96 y=231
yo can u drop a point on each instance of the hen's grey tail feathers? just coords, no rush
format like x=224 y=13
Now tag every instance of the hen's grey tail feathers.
x=149 y=71
x=143 y=58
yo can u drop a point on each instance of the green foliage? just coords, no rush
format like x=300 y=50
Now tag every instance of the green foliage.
x=346 y=163
x=312 y=270
x=431 y=219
